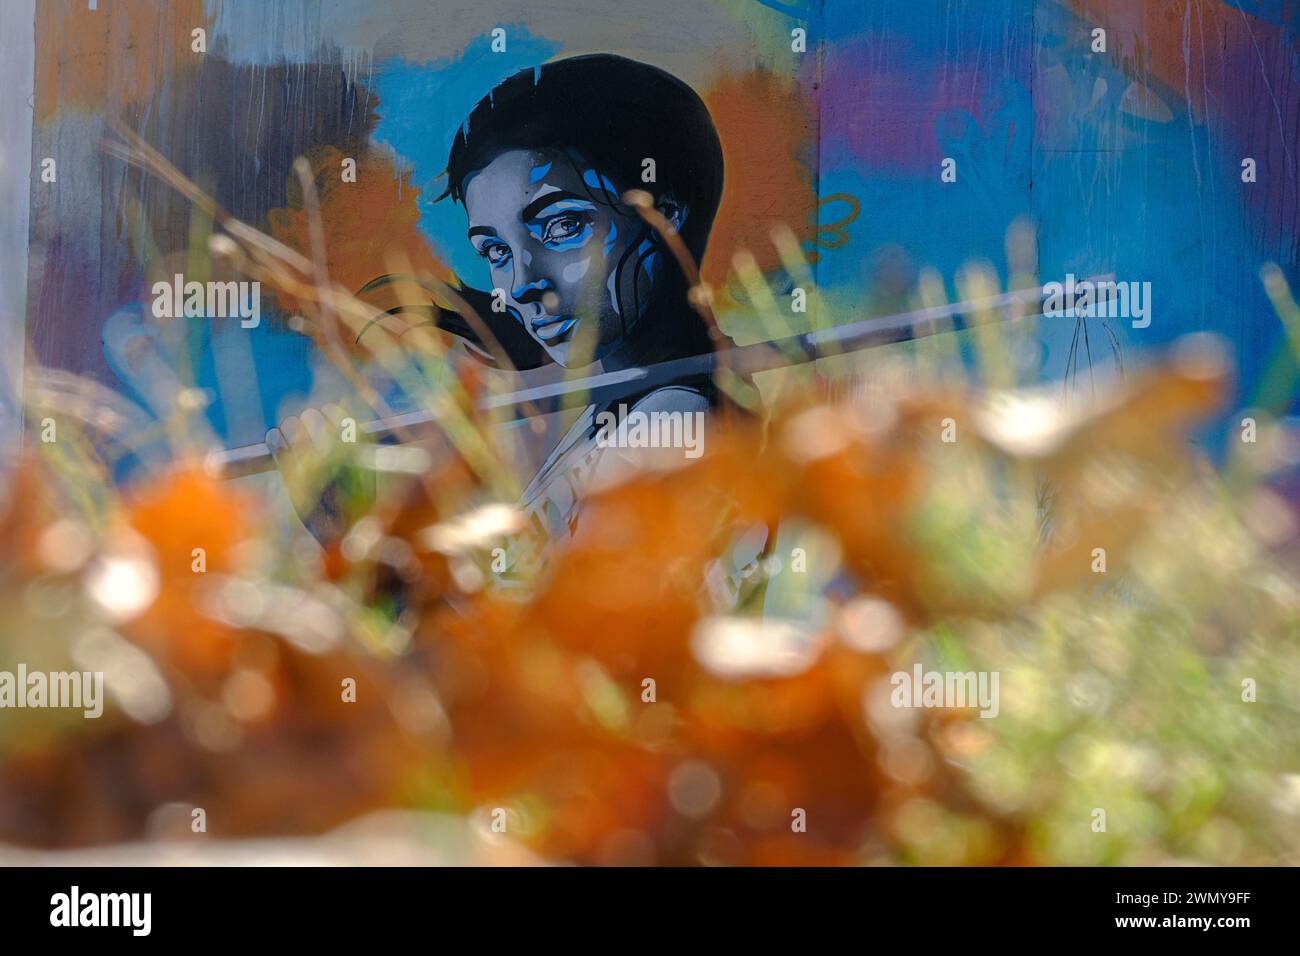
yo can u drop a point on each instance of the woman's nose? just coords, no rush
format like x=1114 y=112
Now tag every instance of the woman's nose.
x=531 y=280
x=531 y=291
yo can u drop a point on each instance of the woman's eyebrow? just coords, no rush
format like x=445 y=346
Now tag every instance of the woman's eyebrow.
x=550 y=199
x=481 y=231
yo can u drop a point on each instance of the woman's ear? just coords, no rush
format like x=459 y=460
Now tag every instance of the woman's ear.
x=672 y=210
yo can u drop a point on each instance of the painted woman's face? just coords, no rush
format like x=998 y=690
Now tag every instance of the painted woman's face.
x=553 y=252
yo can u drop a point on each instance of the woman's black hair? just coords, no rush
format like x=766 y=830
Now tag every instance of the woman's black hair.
x=610 y=114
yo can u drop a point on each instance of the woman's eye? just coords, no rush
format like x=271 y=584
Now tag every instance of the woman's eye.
x=495 y=253
x=563 y=227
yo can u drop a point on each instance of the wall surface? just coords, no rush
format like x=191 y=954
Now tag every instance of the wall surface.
x=1116 y=152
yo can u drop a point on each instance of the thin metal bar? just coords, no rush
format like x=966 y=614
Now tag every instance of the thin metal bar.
x=743 y=359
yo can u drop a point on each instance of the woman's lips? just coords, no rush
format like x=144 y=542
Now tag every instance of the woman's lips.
x=550 y=328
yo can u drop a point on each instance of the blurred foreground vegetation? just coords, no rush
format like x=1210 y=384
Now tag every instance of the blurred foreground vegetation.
x=1139 y=603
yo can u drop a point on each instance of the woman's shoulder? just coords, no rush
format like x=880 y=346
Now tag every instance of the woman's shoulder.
x=672 y=398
